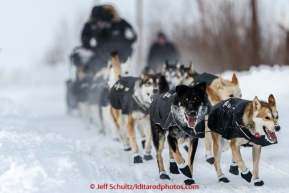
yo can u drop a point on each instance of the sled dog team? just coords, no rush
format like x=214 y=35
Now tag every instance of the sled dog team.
x=180 y=105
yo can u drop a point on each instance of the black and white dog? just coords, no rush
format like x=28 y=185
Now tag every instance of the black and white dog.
x=130 y=98
x=181 y=113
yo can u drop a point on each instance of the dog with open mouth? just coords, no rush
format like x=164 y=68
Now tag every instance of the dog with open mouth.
x=130 y=98
x=179 y=112
x=250 y=123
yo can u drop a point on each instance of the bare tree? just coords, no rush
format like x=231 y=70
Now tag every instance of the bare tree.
x=139 y=21
x=225 y=35
x=255 y=34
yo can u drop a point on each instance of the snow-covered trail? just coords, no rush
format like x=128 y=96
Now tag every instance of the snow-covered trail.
x=44 y=150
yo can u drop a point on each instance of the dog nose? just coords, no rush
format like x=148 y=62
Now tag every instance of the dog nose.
x=155 y=91
x=277 y=128
x=193 y=113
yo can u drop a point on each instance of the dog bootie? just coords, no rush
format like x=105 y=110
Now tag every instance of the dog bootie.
x=174 y=167
x=147 y=156
x=223 y=178
x=247 y=175
x=234 y=168
x=258 y=182
x=189 y=181
x=137 y=159
x=164 y=176
x=184 y=168
x=210 y=159
x=127 y=148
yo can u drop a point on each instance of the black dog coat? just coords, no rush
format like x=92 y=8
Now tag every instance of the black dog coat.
x=226 y=118
x=164 y=113
x=122 y=96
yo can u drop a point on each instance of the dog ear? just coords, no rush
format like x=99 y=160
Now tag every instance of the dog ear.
x=167 y=63
x=178 y=65
x=164 y=68
x=235 y=79
x=143 y=77
x=256 y=104
x=192 y=70
x=200 y=87
x=181 y=89
x=271 y=101
x=220 y=83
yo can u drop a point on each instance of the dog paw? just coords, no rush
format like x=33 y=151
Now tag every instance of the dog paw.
x=185 y=170
x=127 y=148
x=164 y=176
x=189 y=181
x=258 y=182
x=137 y=159
x=247 y=175
x=174 y=168
x=224 y=179
x=210 y=159
x=234 y=169
x=148 y=157
x=143 y=142
x=186 y=148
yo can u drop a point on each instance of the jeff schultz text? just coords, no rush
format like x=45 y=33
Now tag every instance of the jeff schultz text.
x=107 y=186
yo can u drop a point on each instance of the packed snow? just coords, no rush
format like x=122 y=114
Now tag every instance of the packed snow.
x=42 y=149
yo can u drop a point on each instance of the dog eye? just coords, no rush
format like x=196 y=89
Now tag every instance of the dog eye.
x=267 y=117
x=149 y=83
x=231 y=95
x=277 y=117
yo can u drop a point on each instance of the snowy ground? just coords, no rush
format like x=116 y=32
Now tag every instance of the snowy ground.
x=44 y=150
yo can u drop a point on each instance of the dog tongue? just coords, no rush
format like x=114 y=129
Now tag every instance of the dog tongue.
x=272 y=135
x=191 y=122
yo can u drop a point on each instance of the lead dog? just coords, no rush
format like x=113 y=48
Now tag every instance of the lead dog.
x=244 y=123
x=178 y=113
x=130 y=98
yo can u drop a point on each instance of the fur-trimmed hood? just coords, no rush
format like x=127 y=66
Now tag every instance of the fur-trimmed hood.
x=110 y=10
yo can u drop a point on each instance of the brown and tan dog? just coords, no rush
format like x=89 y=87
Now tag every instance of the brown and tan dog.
x=244 y=123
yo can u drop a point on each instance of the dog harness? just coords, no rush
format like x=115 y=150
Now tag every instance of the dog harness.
x=122 y=96
x=226 y=118
x=163 y=112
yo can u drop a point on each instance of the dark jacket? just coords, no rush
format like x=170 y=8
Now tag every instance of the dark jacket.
x=225 y=117
x=164 y=112
x=122 y=96
x=118 y=36
x=158 y=54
